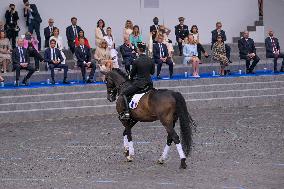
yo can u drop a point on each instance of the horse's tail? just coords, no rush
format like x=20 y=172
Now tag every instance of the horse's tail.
x=186 y=123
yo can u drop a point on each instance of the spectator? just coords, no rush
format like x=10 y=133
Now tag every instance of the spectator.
x=111 y=45
x=11 y=26
x=103 y=57
x=273 y=50
x=5 y=52
x=128 y=29
x=53 y=57
x=161 y=56
x=181 y=31
x=58 y=43
x=48 y=32
x=2 y=28
x=83 y=54
x=248 y=52
x=166 y=32
x=82 y=35
x=128 y=53
x=215 y=33
x=1 y=79
x=31 y=44
x=21 y=61
x=135 y=37
x=190 y=54
x=100 y=32
x=219 y=54
x=194 y=32
x=33 y=20
x=154 y=29
x=71 y=34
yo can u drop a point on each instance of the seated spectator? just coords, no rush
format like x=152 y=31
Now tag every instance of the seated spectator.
x=71 y=33
x=100 y=32
x=21 y=61
x=48 y=32
x=181 y=32
x=111 y=45
x=83 y=54
x=53 y=57
x=166 y=32
x=11 y=25
x=58 y=43
x=190 y=54
x=128 y=29
x=215 y=33
x=161 y=56
x=135 y=37
x=5 y=52
x=103 y=57
x=154 y=29
x=273 y=50
x=219 y=54
x=248 y=52
x=31 y=44
x=128 y=53
x=82 y=35
x=194 y=32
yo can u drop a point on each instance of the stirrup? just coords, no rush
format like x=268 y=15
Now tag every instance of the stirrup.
x=124 y=116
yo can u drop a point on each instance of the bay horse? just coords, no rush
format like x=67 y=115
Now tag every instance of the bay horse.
x=164 y=105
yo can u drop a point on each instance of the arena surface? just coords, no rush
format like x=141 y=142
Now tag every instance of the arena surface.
x=234 y=148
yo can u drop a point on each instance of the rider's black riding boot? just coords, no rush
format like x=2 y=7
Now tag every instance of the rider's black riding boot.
x=125 y=114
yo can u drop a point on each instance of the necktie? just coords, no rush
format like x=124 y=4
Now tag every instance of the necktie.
x=75 y=31
x=161 y=51
x=273 y=46
x=54 y=56
x=22 y=58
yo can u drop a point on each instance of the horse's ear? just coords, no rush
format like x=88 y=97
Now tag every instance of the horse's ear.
x=104 y=72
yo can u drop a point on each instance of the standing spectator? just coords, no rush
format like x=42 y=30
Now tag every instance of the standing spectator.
x=215 y=33
x=82 y=35
x=48 y=32
x=21 y=61
x=194 y=32
x=71 y=34
x=219 y=54
x=59 y=43
x=154 y=29
x=31 y=44
x=54 y=58
x=11 y=25
x=128 y=53
x=33 y=20
x=111 y=45
x=161 y=56
x=135 y=37
x=128 y=29
x=190 y=54
x=248 y=52
x=103 y=57
x=181 y=31
x=273 y=50
x=5 y=52
x=83 y=54
x=100 y=32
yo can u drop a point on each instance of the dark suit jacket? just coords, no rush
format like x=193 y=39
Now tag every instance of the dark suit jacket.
x=81 y=56
x=48 y=58
x=246 y=47
x=215 y=35
x=47 y=35
x=35 y=14
x=142 y=69
x=127 y=55
x=156 y=51
x=269 y=47
x=181 y=32
x=15 y=18
x=70 y=33
x=16 y=56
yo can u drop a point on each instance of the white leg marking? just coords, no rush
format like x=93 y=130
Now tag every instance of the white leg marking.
x=165 y=152
x=131 y=148
x=180 y=151
x=125 y=142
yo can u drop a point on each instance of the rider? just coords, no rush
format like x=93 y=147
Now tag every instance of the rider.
x=142 y=69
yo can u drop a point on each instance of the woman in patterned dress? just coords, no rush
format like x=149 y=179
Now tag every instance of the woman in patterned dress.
x=219 y=54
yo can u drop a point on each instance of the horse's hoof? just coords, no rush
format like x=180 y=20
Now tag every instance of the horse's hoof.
x=129 y=158
x=161 y=161
x=183 y=164
x=126 y=152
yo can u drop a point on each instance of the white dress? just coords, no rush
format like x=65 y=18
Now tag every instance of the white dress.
x=113 y=52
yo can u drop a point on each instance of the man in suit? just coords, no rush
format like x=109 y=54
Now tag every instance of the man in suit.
x=54 y=58
x=248 y=52
x=48 y=31
x=273 y=50
x=181 y=32
x=71 y=33
x=33 y=20
x=143 y=68
x=128 y=53
x=21 y=61
x=83 y=54
x=215 y=33
x=161 y=56
x=154 y=29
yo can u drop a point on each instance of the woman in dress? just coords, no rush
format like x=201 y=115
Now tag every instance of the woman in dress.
x=111 y=45
x=100 y=32
x=190 y=54
x=194 y=32
x=219 y=54
x=128 y=29
x=81 y=34
x=103 y=57
x=135 y=37
x=5 y=52
x=59 y=42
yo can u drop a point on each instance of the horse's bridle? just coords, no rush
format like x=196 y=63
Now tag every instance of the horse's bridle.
x=117 y=88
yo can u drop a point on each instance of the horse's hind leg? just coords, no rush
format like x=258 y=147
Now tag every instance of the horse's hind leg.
x=165 y=153
x=125 y=143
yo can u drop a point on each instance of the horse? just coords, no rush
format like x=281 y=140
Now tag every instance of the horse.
x=164 y=105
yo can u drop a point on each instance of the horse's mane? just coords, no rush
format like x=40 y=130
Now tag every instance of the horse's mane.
x=120 y=72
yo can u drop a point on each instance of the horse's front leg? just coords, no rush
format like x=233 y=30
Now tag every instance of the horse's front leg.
x=125 y=144
x=127 y=140
x=130 y=145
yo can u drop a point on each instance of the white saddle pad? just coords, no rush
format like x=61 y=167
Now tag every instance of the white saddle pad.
x=135 y=100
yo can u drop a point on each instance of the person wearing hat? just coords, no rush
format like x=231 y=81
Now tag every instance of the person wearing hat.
x=142 y=70
x=181 y=31
x=11 y=25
